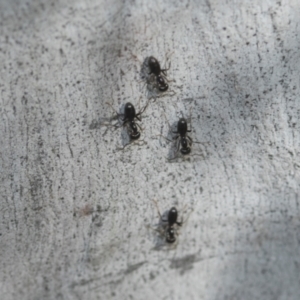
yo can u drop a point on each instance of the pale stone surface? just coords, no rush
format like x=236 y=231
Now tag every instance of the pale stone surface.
x=75 y=212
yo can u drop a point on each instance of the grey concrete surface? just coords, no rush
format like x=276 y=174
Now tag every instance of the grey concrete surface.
x=76 y=213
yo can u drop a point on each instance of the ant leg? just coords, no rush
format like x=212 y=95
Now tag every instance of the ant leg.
x=112 y=108
x=122 y=148
x=139 y=126
x=177 y=149
x=167 y=58
x=128 y=144
x=169 y=140
x=189 y=138
x=140 y=112
x=175 y=137
x=165 y=77
x=164 y=138
x=108 y=122
x=178 y=145
x=143 y=109
x=156 y=204
x=201 y=143
x=116 y=126
x=188 y=215
x=159 y=94
x=164 y=71
x=192 y=141
x=159 y=230
x=140 y=101
x=167 y=120
x=143 y=72
x=176 y=132
x=143 y=80
x=124 y=122
x=160 y=215
x=190 y=119
x=145 y=69
x=181 y=222
x=176 y=156
x=135 y=57
x=117 y=114
x=172 y=94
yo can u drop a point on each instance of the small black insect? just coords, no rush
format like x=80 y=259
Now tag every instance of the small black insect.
x=182 y=139
x=160 y=74
x=172 y=220
x=170 y=231
x=129 y=117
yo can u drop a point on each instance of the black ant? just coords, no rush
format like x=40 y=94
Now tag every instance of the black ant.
x=170 y=231
x=129 y=119
x=182 y=138
x=183 y=141
x=160 y=74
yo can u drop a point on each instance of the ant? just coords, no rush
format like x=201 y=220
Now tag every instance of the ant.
x=170 y=231
x=129 y=119
x=182 y=138
x=160 y=74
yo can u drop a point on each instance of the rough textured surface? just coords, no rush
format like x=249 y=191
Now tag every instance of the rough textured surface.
x=75 y=212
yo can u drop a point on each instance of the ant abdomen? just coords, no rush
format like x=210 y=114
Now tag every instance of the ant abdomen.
x=185 y=149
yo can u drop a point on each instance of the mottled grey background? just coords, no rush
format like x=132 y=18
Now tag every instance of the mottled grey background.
x=75 y=213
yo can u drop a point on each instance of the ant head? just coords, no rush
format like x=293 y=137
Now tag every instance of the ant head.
x=154 y=66
x=129 y=111
x=172 y=216
x=152 y=61
x=182 y=126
